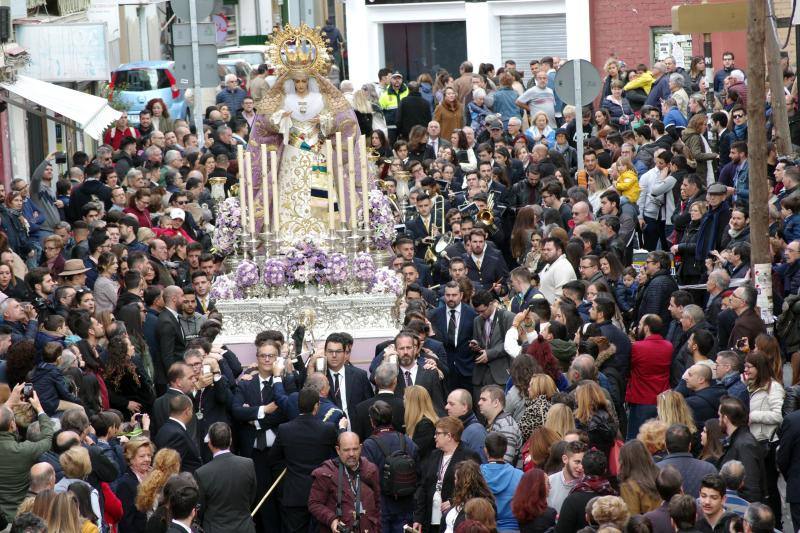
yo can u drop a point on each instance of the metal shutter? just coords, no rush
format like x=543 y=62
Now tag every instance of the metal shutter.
x=532 y=36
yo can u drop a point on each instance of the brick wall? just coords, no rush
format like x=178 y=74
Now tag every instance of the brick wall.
x=622 y=28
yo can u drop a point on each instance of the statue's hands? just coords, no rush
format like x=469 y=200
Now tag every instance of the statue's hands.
x=286 y=114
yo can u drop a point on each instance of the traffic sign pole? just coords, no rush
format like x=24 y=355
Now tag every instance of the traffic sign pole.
x=197 y=112
x=576 y=69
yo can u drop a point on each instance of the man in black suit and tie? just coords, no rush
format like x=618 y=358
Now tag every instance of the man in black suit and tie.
x=212 y=394
x=434 y=139
x=490 y=327
x=183 y=508
x=171 y=342
x=385 y=378
x=303 y=445
x=173 y=433
x=259 y=416
x=484 y=267
x=349 y=385
x=227 y=486
x=181 y=382
x=453 y=325
x=425 y=227
x=412 y=372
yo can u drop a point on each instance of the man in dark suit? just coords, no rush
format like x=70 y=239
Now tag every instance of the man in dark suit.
x=173 y=434
x=171 y=342
x=349 y=385
x=490 y=327
x=258 y=415
x=413 y=372
x=227 y=486
x=302 y=455
x=453 y=325
x=181 y=381
x=523 y=291
x=425 y=227
x=385 y=378
x=183 y=507
x=484 y=267
x=413 y=110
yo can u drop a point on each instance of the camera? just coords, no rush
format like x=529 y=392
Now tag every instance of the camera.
x=27 y=391
x=61 y=158
x=341 y=528
x=137 y=417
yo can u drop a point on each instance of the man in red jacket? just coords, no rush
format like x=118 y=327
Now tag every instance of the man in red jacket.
x=651 y=356
x=357 y=476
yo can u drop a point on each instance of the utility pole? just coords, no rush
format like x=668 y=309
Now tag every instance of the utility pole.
x=761 y=258
x=780 y=118
x=197 y=111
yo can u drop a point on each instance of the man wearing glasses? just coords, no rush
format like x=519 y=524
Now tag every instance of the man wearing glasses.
x=349 y=385
x=258 y=414
x=748 y=324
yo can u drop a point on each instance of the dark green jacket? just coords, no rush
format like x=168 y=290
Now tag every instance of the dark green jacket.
x=16 y=460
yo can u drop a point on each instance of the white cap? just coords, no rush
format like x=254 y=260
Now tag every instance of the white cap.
x=177 y=213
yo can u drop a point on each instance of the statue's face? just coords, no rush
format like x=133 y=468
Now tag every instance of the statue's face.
x=301 y=85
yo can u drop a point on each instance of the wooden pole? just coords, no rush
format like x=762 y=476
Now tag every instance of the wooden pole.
x=275 y=484
x=761 y=259
x=780 y=118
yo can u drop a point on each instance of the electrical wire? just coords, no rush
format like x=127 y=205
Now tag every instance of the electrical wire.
x=791 y=18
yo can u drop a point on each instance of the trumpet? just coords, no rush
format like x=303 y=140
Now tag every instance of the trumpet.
x=485 y=217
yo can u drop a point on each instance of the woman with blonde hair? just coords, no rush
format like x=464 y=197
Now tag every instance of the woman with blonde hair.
x=63 y=515
x=593 y=415
x=420 y=419
x=672 y=409
x=167 y=462
x=139 y=458
x=77 y=466
x=560 y=419
x=653 y=434
x=540 y=390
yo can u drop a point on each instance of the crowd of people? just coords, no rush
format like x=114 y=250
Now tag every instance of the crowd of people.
x=580 y=350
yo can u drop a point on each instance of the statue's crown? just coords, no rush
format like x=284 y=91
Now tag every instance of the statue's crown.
x=299 y=49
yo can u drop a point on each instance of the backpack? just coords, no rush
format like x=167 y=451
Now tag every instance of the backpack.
x=399 y=476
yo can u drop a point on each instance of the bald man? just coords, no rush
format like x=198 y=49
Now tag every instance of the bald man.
x=43 y=477
x=581 y=212
x=172 y=343
x=322 y=500
x=705 y=393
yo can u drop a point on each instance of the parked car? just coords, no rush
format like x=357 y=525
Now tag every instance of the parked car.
x=252 y=54
x=135 y=84
x=241 y=69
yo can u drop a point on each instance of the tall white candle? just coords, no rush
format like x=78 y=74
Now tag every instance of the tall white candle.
x=329 y=171
x=362 y=147
x=273 y=161
x=242 y=187
x=351 y=175
x=251 y=212
x=340 y=179
x=264 y=187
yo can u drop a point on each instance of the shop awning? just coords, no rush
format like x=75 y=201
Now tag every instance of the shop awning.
x=90 y=113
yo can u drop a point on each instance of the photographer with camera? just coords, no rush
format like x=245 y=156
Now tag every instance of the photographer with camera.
x=345 y=492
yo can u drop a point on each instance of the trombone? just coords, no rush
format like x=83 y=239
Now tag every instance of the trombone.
x=485 y=217
x=438 y=207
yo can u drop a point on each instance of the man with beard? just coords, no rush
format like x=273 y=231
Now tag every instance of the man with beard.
x=653 y=297
x=558 y=270
x=748 y=324
x=738 y=230
x=742 y=446
x=562 y=482
x=649 y=366
x=453 y=323
x=483 y=266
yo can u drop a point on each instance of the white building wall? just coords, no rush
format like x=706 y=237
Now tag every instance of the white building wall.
x=482 y=19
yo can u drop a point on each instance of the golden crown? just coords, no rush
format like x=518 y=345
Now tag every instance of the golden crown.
x=299 y=49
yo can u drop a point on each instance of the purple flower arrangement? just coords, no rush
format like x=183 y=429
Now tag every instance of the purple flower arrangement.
x=387 y=281
x=246 y=274
x=381 y=218
x=274 y=272
x=363 y=267
x=225 y=288
x=336 y=269
x=228 y=225
x=306 y=263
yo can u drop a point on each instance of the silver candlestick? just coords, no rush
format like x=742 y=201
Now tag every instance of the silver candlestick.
x=353 y=242
x=343 y=234
x=366 y=238
x=244 y=240
x=266 y=239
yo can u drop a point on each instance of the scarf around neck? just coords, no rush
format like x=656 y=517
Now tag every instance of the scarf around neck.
x=598 y=485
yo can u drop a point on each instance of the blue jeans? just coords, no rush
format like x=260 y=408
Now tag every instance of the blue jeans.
x=639 y=413
x=393 y=521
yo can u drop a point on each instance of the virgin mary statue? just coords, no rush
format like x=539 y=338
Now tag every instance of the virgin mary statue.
x=301 y=111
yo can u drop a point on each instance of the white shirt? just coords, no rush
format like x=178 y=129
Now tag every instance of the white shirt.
x=559 y=490
x=412 y=370
x=554 y=276
x=261 y=414
x=479 y=258
x=342 y=388
x=457 y=309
